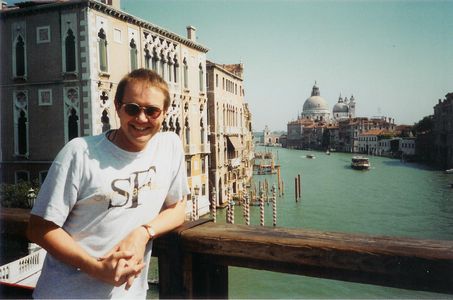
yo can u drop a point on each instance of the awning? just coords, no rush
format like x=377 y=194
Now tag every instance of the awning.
x=235 y=142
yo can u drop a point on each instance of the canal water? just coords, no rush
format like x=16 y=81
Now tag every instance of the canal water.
x=392 y=198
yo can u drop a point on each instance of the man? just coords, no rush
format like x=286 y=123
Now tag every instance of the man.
x=105 y=197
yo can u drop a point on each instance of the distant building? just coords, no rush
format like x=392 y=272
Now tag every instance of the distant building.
x=350 y=129
x=316 y=127
x=315 y=107
x=295 y=129
x=344 y=109
x=443 y=132
x=230 y=131
x=270 y=138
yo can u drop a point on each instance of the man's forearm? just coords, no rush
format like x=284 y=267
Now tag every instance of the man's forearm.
x=62 y=246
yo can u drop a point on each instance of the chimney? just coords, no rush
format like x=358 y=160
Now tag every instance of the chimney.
x=191 y=33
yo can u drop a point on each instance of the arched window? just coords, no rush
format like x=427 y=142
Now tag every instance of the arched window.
x=186 y=74
x=133 y=54
x=102 y=48
x=21 y=123
x=73 y=125
x=155 y=60
x=176 y=70
x=162 y=66
x=201 y=77
x=147 y=58
x=164 y=125
x=105 y=120
x=71 y=113
x=178 y=127
x=170 y=123
x=20 y=56
x=170 y=68
x=187 y=131
x=70 y=52
x=22 y=132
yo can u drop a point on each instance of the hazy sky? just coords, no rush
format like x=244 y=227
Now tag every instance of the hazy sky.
x=395 y=57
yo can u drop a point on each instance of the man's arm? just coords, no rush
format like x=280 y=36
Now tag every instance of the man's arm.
x=167 y=220
x=62 y=246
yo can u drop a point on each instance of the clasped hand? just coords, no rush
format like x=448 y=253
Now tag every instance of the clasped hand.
x=125 y=260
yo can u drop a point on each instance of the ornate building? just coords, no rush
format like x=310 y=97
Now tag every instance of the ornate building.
x=61 y=63
x=315 y=107
x=344 y=109
x=230 y=131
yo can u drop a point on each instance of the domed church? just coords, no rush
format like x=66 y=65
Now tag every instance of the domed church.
x=315 y=107
x=344 y=108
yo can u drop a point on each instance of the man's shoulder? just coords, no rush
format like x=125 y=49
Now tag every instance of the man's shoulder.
x=78 y=145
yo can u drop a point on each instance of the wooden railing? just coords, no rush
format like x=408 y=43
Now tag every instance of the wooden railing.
x=194 y=259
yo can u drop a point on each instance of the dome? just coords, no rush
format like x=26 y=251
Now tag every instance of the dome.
x=340 y=107
x=315 y=103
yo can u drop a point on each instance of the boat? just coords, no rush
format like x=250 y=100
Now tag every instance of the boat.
x=327 y=152
x=360 y=163
x=21 y=276
x=311 y=156
x=449 y=171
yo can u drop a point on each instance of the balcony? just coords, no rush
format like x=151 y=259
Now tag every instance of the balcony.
x=234 y=163
x=193 y=149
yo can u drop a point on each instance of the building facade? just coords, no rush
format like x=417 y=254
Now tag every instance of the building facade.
x=230 y=131
x=61 y=63
x=443 y=132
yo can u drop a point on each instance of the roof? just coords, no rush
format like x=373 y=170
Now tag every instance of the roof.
x=373 y=132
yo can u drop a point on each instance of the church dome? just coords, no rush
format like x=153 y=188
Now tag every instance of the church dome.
x=341 y=106
x=315 y=102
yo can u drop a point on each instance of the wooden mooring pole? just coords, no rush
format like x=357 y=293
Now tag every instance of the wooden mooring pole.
x=298 y=186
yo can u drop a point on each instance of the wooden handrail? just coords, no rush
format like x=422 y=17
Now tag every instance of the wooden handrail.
x=196 y=259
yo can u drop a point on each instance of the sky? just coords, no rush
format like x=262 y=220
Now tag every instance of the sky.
x=395 y=57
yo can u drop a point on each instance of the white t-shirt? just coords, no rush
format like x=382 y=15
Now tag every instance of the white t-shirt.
x=98 y=193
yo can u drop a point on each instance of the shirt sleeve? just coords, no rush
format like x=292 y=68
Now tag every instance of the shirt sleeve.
x=179 y=186
x=58 y=194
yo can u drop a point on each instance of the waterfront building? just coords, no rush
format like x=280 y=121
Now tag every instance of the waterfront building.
x=443 y=132
x=315 y=127
x=295 y=129
x=270 y=138
x=332 y=134
x=407 y=146
x=61 y=63
x=230 y=131
x=368 y=141
x=349 y=130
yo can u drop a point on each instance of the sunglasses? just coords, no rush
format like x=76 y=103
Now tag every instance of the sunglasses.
x=133 y=110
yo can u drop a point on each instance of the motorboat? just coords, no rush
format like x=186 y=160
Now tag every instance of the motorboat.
x=360 y=163
x=449 y=171
x=311 y=156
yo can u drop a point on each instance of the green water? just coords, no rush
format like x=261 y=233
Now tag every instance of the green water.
x=393 y=199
